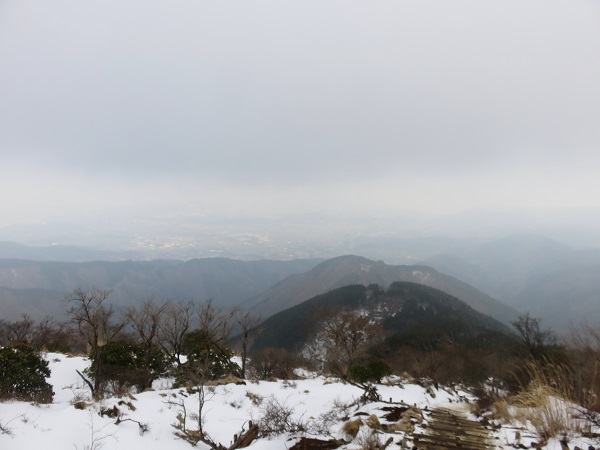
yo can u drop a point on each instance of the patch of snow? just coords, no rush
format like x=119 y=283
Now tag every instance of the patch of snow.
x=61 y=426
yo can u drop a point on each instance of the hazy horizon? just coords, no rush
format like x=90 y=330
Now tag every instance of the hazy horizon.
x=241 y=112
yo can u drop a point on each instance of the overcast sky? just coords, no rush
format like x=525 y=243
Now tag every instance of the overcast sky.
x=297 y=106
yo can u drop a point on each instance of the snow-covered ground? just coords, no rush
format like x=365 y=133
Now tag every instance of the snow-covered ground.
x=314 y=401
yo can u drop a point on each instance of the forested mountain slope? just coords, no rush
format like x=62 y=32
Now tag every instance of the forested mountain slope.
x=350 y=269
x=402 y=308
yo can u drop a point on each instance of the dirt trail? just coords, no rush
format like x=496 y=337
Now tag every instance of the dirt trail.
x=450 y=429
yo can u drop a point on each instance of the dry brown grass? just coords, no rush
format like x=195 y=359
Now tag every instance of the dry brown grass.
x=501 y=410
x=229 y=379
x=373 y=422
x=369 y=439
x=352 y=427
x=254 y=398
x=545 y=404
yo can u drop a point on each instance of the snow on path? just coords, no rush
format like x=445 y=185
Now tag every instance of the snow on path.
x=60 y=426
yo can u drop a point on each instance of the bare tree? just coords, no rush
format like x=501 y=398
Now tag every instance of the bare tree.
x=205 y=346
x=249 y=324
x=96 y=323
x=216 y=323
x=21 y=331
x=207 y=350
x=534 y=339
x=49 y=333
x=347 y=336
x=145 y=322
x=177 y=321
x=27 y=331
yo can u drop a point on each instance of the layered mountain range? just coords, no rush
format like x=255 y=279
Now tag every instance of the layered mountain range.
x=531 y=273
x=525 y=273
x=39 y=288
x=264 y=287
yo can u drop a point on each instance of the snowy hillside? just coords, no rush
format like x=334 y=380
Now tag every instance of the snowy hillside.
x=319 y=408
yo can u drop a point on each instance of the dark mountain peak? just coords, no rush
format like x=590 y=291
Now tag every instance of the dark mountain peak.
x=402 y=307
x=351 y=269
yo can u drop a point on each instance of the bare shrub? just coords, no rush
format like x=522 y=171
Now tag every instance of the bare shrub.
x=115 y=388
x=78 y=397
x=254 y=398
x=342 y=407
x=97 y=437
x=277 y=418
x=325 y=422
x=5 y=428
x=368 y=439
x=273 y=363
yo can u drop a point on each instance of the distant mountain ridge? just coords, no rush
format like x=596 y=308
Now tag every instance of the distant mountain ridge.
x=532 y=273
x=502 y=267
x=62 y=253
x=351 y=269
x=38 y=288
x=525 y=272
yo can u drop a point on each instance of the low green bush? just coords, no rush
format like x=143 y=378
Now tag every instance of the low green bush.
x=23 y=375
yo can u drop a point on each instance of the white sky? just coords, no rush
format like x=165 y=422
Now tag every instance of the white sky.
x=271 y=106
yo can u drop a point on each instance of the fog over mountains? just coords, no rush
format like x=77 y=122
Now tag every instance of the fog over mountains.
x=500 y=278
x=532 y=273
x=39 y=288
x=172 y=233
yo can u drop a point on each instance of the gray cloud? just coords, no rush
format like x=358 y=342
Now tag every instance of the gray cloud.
x=280 y=95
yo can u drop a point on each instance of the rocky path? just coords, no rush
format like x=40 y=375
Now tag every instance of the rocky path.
x=449 y=429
